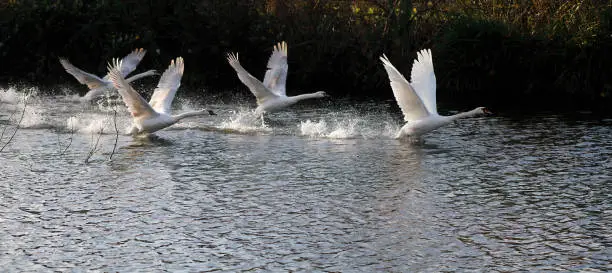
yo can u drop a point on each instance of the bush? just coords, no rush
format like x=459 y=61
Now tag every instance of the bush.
x=490 y=52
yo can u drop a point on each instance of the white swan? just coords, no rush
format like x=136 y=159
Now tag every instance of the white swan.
x=417 y=99
x=155 y=115
x=100 y=86
x=270 y=94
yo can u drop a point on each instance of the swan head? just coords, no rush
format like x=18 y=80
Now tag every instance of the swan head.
x=209 y=112
x=321 y=94
x=483 y=111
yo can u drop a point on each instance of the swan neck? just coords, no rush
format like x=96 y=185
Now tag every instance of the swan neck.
x=464 y=115
x=188 y=114
x=305 y=96
x=141 y=75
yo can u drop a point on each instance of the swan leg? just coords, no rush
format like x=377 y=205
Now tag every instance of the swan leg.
x=263 y=124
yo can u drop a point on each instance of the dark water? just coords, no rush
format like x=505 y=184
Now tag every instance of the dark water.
x=505 y=193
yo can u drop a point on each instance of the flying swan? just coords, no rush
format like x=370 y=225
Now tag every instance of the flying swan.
x=270 y=94
x=417 y=99
x=100 y=86
x=155 y=115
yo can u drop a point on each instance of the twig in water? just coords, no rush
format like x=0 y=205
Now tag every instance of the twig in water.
x=25 y=104
x=116 y=133
x=70 y=139
x=95 y=146
x=6 y=127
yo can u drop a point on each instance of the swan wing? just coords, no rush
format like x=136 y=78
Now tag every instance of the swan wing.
x=162 y=97
x=408 y=100
x=137 y=106
x=257 y=87
x=92 y=81
x=276 y=75
x=423 y=79
x=130 y=61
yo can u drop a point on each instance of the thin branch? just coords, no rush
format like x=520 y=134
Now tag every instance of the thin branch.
x=116 y=133
x=95 y=146
x=6 y=127
x=70 y=139
x=25 y=104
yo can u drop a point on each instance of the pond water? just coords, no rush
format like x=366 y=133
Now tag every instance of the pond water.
x=322 y=187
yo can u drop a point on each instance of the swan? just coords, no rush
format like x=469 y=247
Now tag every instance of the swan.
x=417 y=99
x=154 y=115
x=270 y=94
x=100 y=86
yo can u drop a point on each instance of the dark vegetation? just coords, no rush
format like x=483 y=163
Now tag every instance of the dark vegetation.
x=503 y=54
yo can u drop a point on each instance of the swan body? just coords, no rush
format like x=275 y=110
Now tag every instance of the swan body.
x=152 y=116
x=417 y=99
x=271 y=94
x=101 y=86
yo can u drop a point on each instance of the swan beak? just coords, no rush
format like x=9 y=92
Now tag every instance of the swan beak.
x=210 y=112
x=486 y=111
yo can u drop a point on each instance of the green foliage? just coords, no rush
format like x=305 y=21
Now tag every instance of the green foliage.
x=490 y=52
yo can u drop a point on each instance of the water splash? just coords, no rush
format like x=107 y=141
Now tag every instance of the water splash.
x=244 y=121
x=22 y=107
x=344 y=128
x=96 y=124
x=313 y=129
x=10 y=95
x=35 y=119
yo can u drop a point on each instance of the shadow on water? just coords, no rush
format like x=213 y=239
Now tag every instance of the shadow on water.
x=149 y=140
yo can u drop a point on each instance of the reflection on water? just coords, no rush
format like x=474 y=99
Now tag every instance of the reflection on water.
x=220 y=193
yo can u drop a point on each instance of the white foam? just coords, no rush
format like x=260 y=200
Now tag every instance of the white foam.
x=95 y=124
x=313 y=129
x=243 y=120
x=344 y=132
x=345 y=128
x=339 y=129
x=9 y=95
x=34 y=119
x=23 y=108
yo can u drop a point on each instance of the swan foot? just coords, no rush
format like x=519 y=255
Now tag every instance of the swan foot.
x=412 y=139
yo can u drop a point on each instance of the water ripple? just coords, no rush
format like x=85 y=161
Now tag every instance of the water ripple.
x=492 y=194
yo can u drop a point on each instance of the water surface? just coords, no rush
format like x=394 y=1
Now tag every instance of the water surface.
x=323 y=187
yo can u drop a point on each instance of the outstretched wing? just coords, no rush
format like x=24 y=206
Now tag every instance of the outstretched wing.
x=407 y=99
x=257 y=88
x=167 y=86
x=131 y=61
x=137 y=106
x=276 y=75
x=92 y=81
x=423 y=80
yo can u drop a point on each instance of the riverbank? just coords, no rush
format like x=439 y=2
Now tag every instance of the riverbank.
x=545 y=55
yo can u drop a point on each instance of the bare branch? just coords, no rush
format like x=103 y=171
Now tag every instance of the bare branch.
x=94 y=148
x=25 y=104
x=116 y=133
x=70 y=139
x=6 y=127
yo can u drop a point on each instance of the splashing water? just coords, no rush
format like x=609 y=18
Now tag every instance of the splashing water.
x=346 y=128
x=340 y=121
x=244 y=121
x=35 y=119
x=313 y=129
x=9 y=95
x=96 y=124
